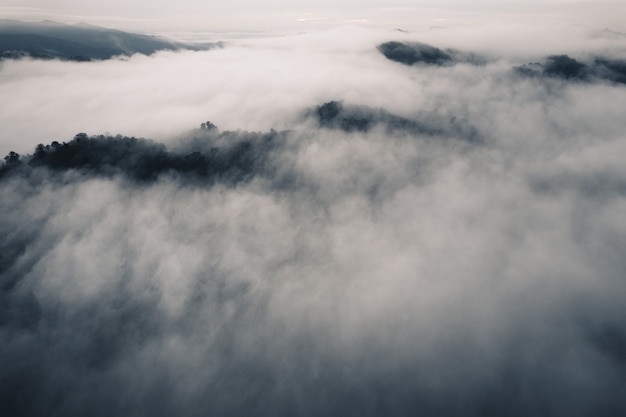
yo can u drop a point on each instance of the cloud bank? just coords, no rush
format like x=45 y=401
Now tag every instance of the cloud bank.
x=359 y=237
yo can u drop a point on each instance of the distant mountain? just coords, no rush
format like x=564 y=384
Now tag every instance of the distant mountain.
x=611 y=34
x=79 y=42
x=416 y=53
x=554 y=66
x=570 y=69
x=413 y=53
x=350 y=118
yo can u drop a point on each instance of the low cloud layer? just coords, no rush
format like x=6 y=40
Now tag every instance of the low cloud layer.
x=260 y=84
x=360 y=238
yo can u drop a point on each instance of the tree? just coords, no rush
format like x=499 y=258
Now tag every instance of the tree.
x=12 y=158
x=208 y=126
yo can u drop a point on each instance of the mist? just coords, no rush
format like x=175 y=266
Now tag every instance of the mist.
x=356 y=236
x=258 y=84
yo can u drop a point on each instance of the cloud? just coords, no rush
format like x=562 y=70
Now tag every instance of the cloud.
x=251 y=84
x=408 y=240
x=171 y=92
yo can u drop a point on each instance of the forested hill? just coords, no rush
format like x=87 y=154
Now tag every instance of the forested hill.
x=79 y=42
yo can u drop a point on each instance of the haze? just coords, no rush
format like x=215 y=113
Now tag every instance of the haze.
x=278 y=15
x=344 y=209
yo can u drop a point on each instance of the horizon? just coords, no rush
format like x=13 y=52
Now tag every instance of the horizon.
x=285 y=16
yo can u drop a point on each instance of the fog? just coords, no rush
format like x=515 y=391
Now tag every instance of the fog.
x=357 y=236
x=258 y=84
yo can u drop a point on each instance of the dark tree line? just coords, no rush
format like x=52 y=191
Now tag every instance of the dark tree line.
x=237 y=158
x=336 y=115
x=571 y=69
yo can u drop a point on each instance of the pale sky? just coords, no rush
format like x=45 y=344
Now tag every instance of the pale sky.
x=166 y=15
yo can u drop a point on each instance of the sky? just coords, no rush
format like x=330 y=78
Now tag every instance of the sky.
x=239 y=15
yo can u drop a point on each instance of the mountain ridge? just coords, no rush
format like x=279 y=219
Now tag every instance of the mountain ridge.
x=80 y=42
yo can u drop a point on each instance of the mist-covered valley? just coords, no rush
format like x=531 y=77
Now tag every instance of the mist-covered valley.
x=353 y=221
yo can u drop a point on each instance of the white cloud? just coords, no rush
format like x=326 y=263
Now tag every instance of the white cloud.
x=252 y=84
x=464 y=272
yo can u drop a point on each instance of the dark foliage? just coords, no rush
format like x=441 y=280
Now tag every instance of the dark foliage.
x=14 y=45
x=569 y=69
x=414 y=53
x=332 y=115
x=562 y=66
x=145 y=161
x=335 y=115
x=610 y=69
x=81 y=42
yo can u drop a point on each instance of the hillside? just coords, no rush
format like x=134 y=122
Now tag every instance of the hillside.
x=79 y=42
